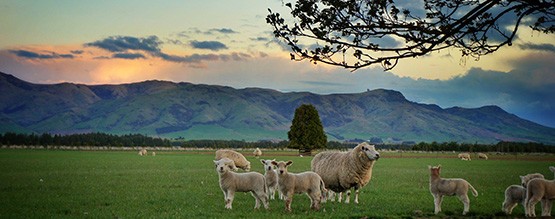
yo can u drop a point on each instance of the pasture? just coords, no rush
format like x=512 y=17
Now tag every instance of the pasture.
x=119 y=184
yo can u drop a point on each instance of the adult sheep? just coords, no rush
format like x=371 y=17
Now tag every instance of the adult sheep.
x=464 y=156
x=257 y=152
x=238 y=158
x=342 y=171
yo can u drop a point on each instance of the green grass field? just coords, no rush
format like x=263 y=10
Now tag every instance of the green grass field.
x=108 y=184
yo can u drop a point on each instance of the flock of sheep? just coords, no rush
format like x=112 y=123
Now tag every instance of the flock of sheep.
x=338 y=172
x=332 y=172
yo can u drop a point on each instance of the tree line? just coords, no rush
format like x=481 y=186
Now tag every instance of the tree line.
x=86 y=139
x=130 y=140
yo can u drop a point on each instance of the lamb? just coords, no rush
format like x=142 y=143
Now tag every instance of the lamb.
x=464 y=156
x=143 y=152
x=540 y=190
x=440 y=187
x=342 y=171
x=271 y=177
x=257 y=152
x=482 y=156
x=306 y=182
x=231 y=182
x=515 y=194
x=239 y=160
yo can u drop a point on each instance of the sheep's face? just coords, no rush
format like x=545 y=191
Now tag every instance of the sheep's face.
x=268 y=164
x=369 y=151
x=282 y=166
x=527 y=178
x=223 y=165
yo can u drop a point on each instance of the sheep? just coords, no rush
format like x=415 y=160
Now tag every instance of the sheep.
x=482 y=156
x=257 y=152
x=306 y=182
x=143 y=152
x=342 y=171
x=231 y=182
x=153 y=153
x=440 y=187
x=238 y=158
x=540 y=190
x=464 y=156
x=271 y=177
x=515 y=194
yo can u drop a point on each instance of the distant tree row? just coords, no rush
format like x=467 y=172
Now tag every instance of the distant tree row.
x=88 y=139
x=503 y=146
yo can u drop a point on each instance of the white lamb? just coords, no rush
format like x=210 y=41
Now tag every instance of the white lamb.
x=342 y=171
x=464 y=156
x=482 y=156
x=540 y=190
x=238 y=158
x=257 y=152
x=296 y=183
x=515 y=194
x=231 y=182
x=271 y=177
x=440 y=187
x=143 y=152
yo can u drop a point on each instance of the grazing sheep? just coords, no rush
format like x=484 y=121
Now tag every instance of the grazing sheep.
x=238 y=158
x=143 y=152
x=306 y=182
x=464 y=156
x=540 y=190
x=482 y=156
x=440 y=187
x=342 y=171
x=257 y=152
x=231 y=182
x=271 y=177
x=153 y=153
x=515 y=194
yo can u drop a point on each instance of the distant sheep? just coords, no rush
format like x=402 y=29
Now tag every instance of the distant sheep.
x=238 y=158
x=440 y=187
x=231 y=182
x=540 y=190
x=482 y=156
x=306 y=182
x=153 y=153
x=257 y=152
x=271 y=177
x=342 y=171
x=464 y=156
x=143 y=152
x=515 y=194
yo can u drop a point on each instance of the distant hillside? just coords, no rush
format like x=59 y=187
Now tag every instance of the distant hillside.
x=191 y=111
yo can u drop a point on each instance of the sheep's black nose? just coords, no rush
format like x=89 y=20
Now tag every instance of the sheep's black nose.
x=281 y=171
x=377 y=156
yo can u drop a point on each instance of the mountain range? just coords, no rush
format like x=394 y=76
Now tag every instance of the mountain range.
x=197 y=111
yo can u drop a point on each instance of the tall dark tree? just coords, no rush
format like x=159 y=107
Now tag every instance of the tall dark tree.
x=359 y=33
x=307 y=132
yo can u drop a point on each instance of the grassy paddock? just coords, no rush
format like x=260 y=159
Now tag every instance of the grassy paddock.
x=101 y=184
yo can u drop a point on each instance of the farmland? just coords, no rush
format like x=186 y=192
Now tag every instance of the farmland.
x=102 y=184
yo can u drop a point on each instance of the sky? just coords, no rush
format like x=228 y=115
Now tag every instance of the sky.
x=222 y=42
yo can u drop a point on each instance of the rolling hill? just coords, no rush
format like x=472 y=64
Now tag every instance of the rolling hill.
x=195 y=111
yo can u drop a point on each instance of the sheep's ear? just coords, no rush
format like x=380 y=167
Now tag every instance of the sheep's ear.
x=274 y=162
x=429 y=167
x=262 y=161
x=521 y=177
x=288 y=163
x=215 y=162
x=552 y=168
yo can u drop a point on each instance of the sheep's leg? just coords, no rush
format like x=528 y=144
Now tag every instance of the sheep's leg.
x=340 y=197
x=229 y=199
x=466 y=202
x=331 y=195
x=256 y=199
x=356 y=195
x=531 y=206
x=315 y=200
x=509 y=205
x=272 y=192
x=546 y=207
x=437 y=203
x=348 y=197
x=288 y=200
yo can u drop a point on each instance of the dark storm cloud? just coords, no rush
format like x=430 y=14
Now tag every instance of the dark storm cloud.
x=34 y=55
x=210 y=45
x=125 y=43
x=128 y=56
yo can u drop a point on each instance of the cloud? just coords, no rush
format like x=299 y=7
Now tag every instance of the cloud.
x=34 y=55
x=197 y=58
x=77 y=52
x=124 y=43
x=222 y=30
x=210 y=45
x=540 y=47
x=128 y=56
